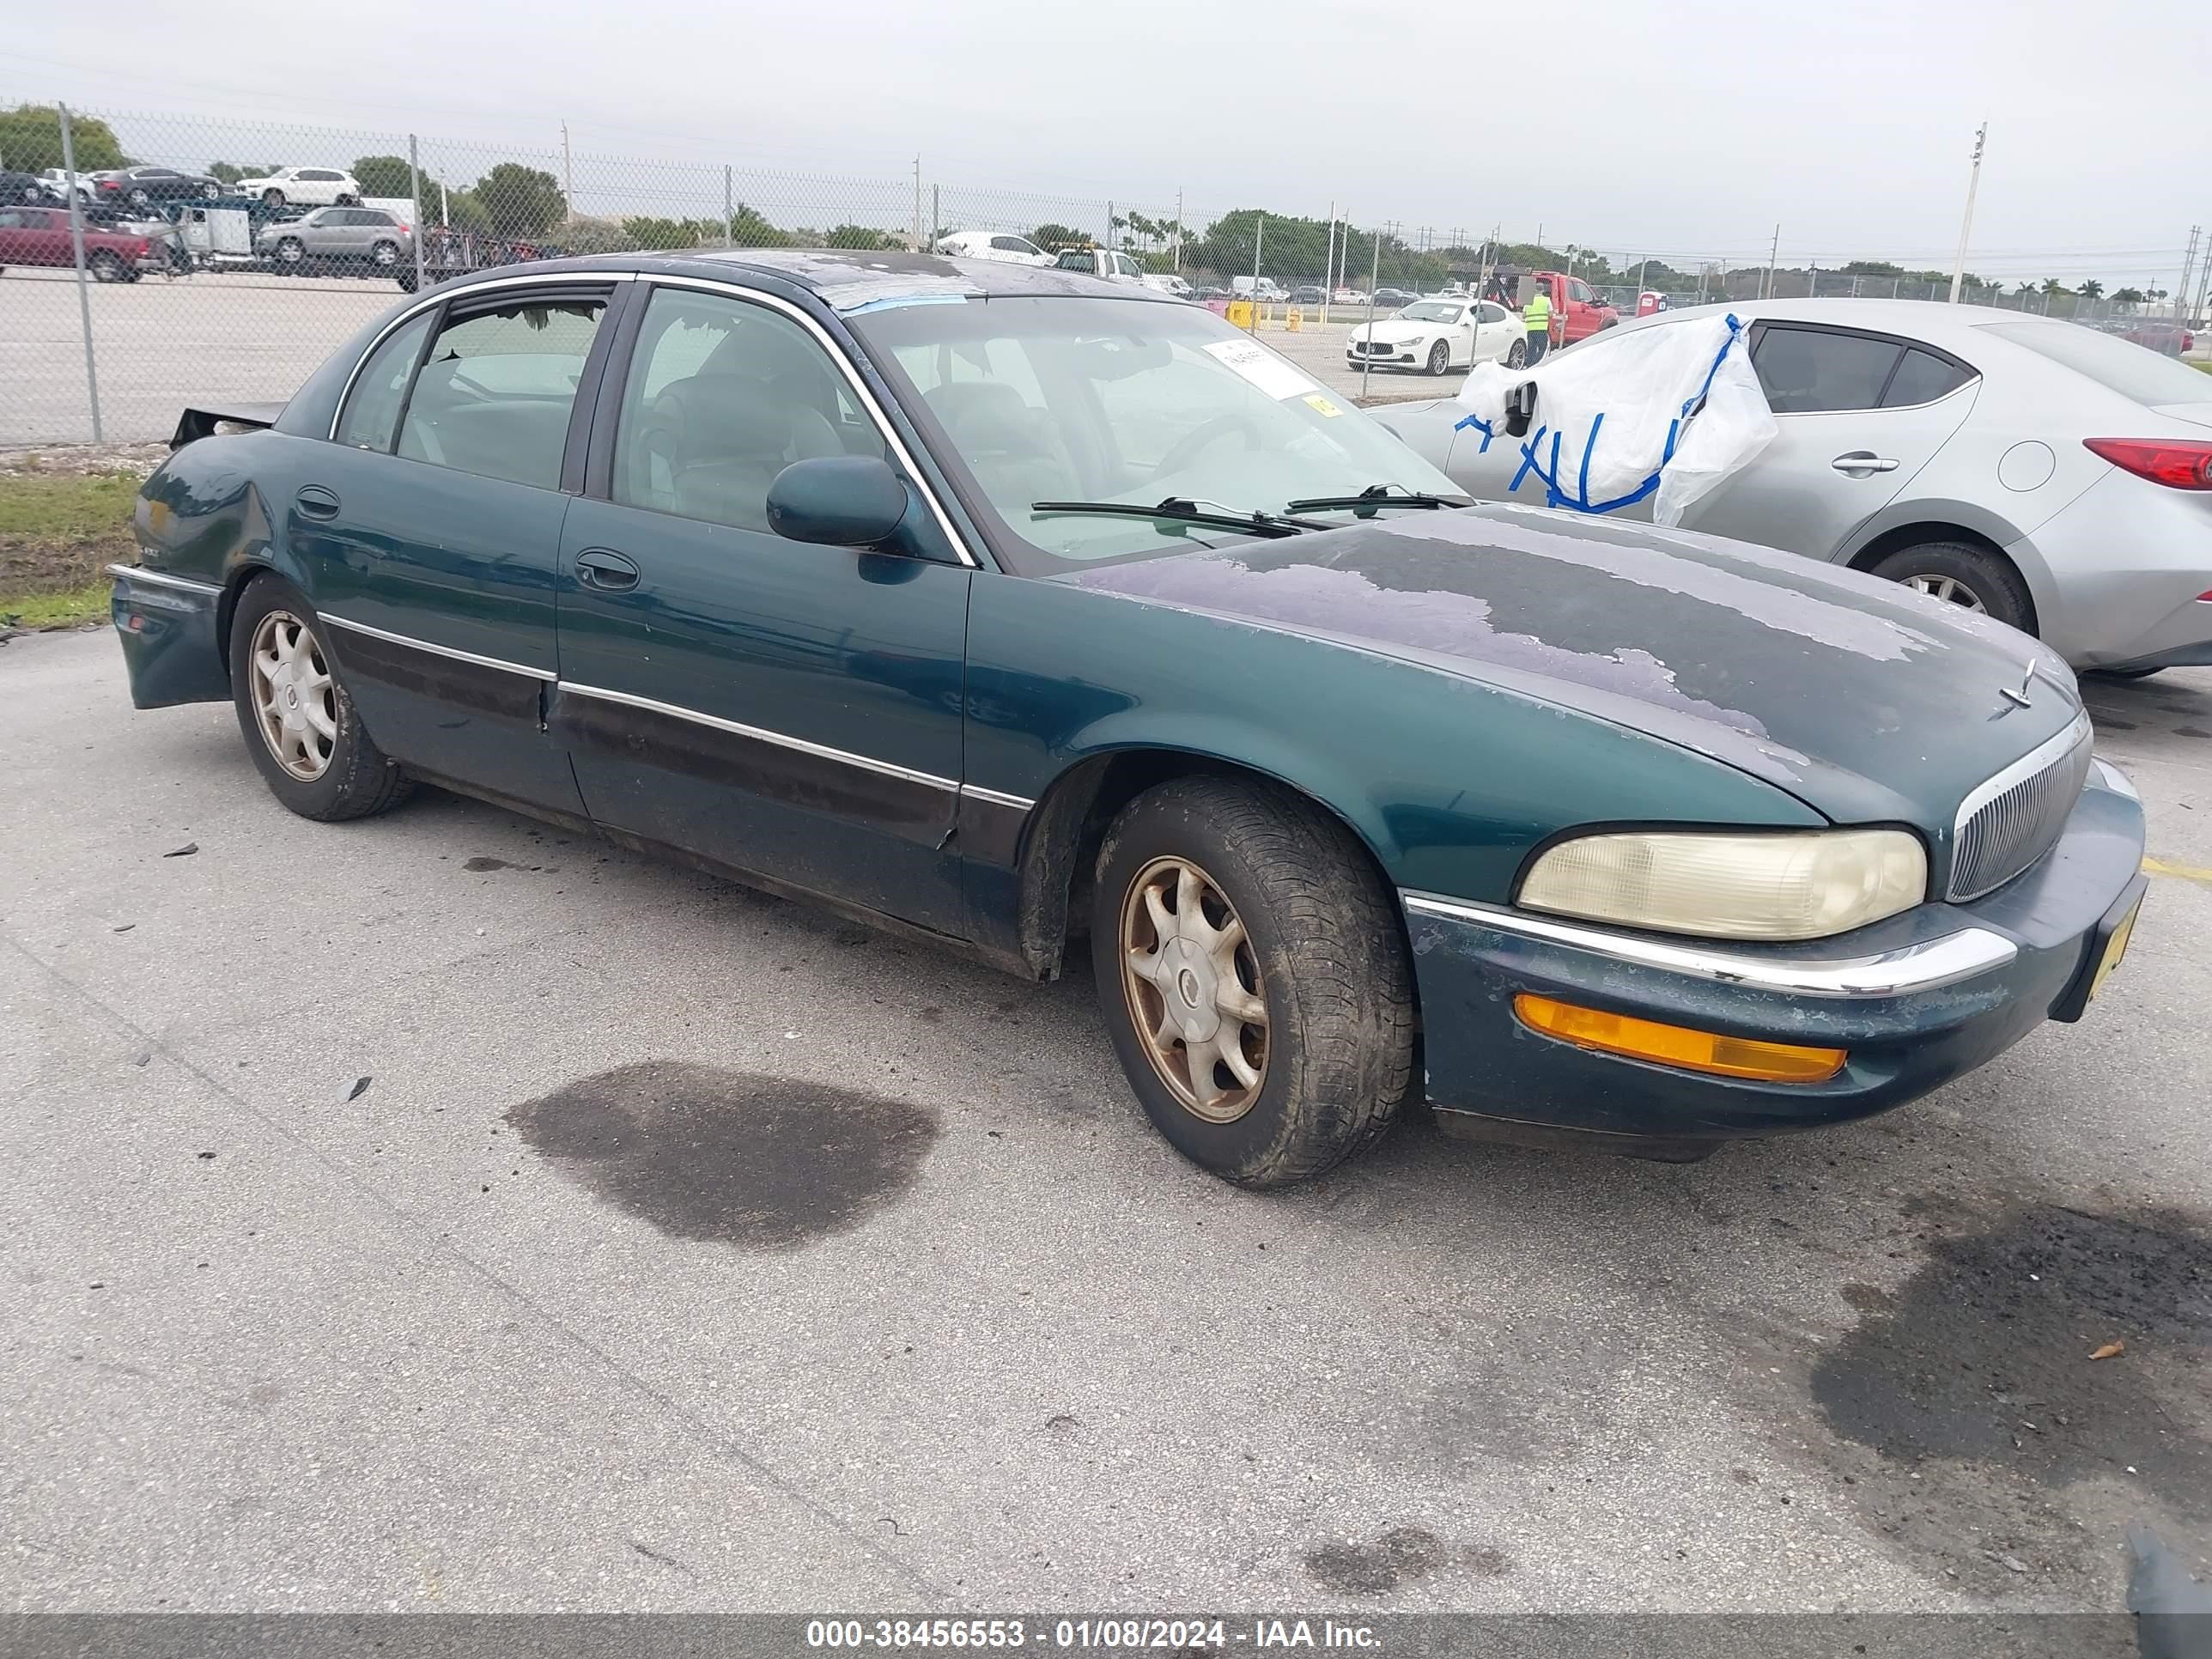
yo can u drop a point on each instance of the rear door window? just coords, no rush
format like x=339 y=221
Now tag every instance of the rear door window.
x=373 y=413
x=1807 y=371
x=494 y=395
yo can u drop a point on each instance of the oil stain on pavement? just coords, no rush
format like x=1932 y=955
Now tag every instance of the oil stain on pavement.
x=724 y=1156
x=1401 y=1556
x=1973 y=1380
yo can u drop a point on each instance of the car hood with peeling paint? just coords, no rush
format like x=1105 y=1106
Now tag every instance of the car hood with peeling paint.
x=1865 y=700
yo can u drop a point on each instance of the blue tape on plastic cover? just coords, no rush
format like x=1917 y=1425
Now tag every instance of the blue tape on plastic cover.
x=896 y=300
x=1580 y=501
x=1481 y=426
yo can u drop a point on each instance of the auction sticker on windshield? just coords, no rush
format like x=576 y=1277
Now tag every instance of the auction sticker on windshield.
x=1263 y=368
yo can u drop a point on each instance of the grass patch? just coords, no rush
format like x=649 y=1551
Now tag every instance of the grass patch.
x=57 y=535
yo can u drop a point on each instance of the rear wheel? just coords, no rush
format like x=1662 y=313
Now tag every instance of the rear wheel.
x=1440 y=358
x=1253 y=978
x=139 y=197
x=272 y=198
x=1516 y=355
x=106 y=268
x=348 y=200
x=1972 y=578
x=385 y=254
x=300 y=726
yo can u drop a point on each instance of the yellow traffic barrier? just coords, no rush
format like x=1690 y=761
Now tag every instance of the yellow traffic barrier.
x=1240 y=313
x=1295 y=320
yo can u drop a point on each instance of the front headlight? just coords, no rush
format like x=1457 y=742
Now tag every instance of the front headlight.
x=1790 y=885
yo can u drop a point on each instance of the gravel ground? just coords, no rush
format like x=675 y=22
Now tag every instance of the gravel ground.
x=322 y=1297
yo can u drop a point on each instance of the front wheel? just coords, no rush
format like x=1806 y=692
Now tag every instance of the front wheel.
x=300 y=726
x=1440 y=358
x=140 y=198
x=292 y=251
x=385 y=254
x=1970 y=577
x=1252 y=975
x=272 y=198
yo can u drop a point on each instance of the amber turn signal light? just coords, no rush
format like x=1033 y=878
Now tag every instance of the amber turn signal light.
x=1677 y=1045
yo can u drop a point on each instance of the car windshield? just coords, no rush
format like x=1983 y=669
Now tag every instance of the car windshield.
x=2117 y=365
x=1051 y=398
x=1431 y=311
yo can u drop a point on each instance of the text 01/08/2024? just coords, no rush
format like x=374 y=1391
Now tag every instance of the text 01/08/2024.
x=1169 y=1634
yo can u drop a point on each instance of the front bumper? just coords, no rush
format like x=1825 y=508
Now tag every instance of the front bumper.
x=1917 y=1001
x=170 y=646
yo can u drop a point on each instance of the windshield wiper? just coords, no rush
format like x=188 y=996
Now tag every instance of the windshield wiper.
x=1176 y=510
x=1374 y=495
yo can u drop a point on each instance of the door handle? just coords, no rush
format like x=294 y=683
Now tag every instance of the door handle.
x=316 y=503
x=1863 y=463
x=603 y=569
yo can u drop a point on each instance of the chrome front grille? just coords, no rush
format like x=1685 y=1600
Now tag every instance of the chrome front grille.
x=2010 y=821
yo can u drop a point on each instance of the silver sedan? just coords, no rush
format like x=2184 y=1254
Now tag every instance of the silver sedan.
x=2055 y=477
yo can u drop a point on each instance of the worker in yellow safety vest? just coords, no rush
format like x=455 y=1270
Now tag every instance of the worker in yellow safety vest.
x=1536 y=317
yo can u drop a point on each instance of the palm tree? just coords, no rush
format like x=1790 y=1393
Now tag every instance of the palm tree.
x=2091 y=289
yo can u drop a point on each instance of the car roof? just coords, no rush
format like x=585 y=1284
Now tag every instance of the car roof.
x=1919 y=319
x=849 y=279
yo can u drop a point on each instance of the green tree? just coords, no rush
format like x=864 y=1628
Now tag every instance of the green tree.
x=2053 y=287
x=1051 y=237
x=749 y=228
x=521 y=200
x=2091 y=289
x=1870 y=268
x=860 y=236
x=383 y=175
x=648 y=232
x=2127 y=296
x=31 y=139
x=585 y=235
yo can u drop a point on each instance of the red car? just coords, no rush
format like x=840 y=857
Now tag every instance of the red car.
x=40 y=236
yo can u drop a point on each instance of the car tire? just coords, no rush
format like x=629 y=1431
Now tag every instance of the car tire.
x=1516 y=355
x=140 y=198
x=291 y=250
x=353 y=779
x=1319 y=952
x=272 y=198
x=385 y=255
x=1440 y=359
x=106 y=268
x=1960 y=573
x=2126 y=673
x=348 y=201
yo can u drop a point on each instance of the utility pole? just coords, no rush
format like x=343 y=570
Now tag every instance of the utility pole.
x=415 y=193
x=2188 y=269
x=567 y=178
x=1966 y=225
x=917 y=204
x=1328 y=266
x=1773 y=256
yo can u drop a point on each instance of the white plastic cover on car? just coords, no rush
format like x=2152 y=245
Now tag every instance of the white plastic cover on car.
x=1666 y=411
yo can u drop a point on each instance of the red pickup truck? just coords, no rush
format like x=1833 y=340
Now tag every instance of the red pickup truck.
x=40 y=236
x=1576 y=313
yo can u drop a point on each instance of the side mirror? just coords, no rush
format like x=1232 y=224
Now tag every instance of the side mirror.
x=1520 y=409
x=838 y=501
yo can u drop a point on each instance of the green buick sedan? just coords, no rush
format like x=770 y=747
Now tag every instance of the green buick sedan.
x=1011 y=609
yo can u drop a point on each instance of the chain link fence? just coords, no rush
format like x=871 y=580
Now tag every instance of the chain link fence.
x=149 y=260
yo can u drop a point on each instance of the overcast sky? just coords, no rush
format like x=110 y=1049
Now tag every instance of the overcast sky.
x=1685 y=129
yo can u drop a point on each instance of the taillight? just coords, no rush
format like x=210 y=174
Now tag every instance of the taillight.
x=2178 y=464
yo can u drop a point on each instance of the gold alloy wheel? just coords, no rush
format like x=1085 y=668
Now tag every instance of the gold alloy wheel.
x=1193 y=988
x=294 y=696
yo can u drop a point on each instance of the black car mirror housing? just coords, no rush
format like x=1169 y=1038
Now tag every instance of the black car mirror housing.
x=837 y=500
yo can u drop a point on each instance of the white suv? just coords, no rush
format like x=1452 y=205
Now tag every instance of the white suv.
x=304 y=187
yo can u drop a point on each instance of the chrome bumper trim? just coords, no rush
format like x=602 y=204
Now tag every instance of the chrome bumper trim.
x=140 y=574
x=1922 y=967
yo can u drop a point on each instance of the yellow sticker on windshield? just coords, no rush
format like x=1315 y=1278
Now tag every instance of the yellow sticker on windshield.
x=1322 y=405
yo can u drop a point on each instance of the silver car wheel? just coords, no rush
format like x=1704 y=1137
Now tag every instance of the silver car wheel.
x=294 y=695
x=1949 y=589
x=1192 y=989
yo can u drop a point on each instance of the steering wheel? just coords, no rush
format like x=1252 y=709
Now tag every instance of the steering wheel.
x=1212 y=432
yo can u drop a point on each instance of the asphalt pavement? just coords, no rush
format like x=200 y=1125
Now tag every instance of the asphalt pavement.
x=448 y=1212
